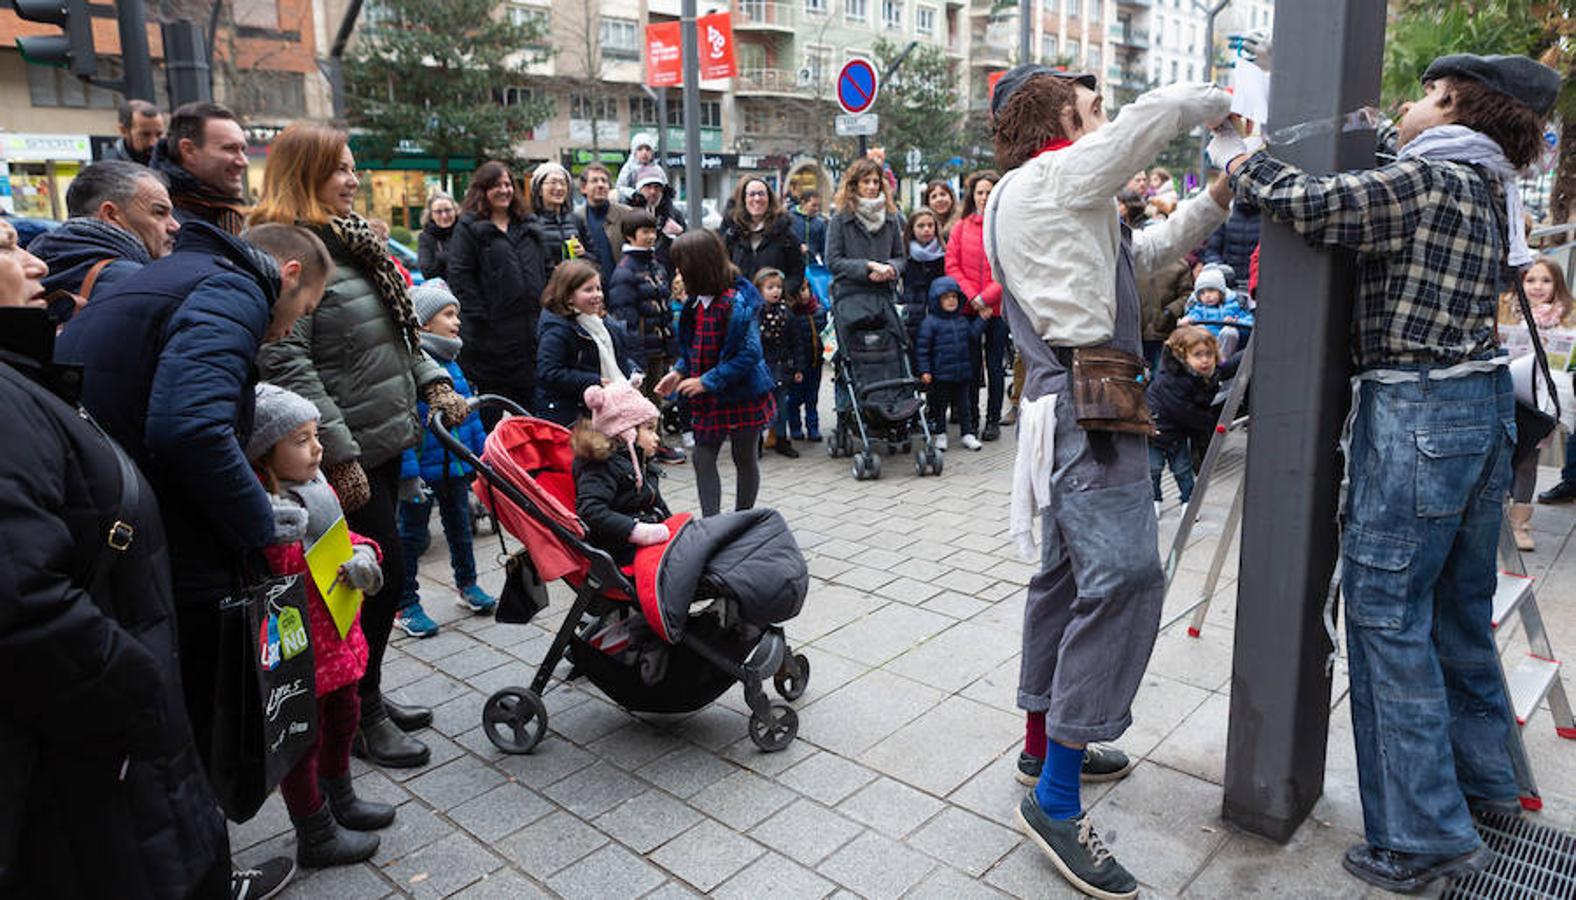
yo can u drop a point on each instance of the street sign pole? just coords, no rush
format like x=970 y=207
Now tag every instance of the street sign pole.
x=692 y=174
x=857 y=87
x=1280 y=688
x=137 y=79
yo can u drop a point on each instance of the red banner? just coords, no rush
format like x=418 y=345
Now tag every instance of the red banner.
x=715 y=33
x=665 y=54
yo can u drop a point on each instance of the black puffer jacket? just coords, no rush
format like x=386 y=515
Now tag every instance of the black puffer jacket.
x=610 y=503
x=785 y=342
x=555 y=228
x=915 y=299
x=102 y=786
x=638 y=297
x=432 y=251
x=498 y=278
x=778 y=249
x=1181 y=402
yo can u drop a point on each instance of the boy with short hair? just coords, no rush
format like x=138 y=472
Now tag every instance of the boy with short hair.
x=637 y=295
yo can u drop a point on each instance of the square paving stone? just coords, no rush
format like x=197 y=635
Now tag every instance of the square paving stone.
x=550 y=844
x=433 y=690
x=908 y=590
x=444 y=643
x=609 y=872
x=414 y=827
x=863 y=578
x=994 y=793
x=1204 y=661
x=635 y=745
x=594 y=790
x=443 y=867
x=877 y=867
x=270 y=821
x=892 y=808
x=827 y=777
x=950 y=884
x=548 y=762
x=584 y=722
x=858 y=715
x=1161 y=705
x=774 y=876
x=742 y=799
x=745 y=753
x=1162 y=823
x=956 y=605
x=1309 y=866
x=829 y=607
x=707 y=855
x=648 y=821
x=473 y=661
x=503 y=884
x=954 y=658
x=998 y=688
x=716 y=726
x=455 y=782
x=359 y=880
x=1198 y=745
x=671 y=890
x=946 y=746
x=501 y=811
x=964 y=840
x=1026 y=872
x=458 y=715
x=687 y=771
x=885 y=633
x=806 y=831
x=964 y=582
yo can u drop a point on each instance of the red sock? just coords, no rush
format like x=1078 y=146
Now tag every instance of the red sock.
x=1034 y=734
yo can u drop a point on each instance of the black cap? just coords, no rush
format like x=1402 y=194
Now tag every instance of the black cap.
x=1520 y=78
x=1018 y=76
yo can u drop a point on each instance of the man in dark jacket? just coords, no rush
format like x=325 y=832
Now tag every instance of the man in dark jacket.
x=1233 y=243
x=604 y=218
x=141 y=126
x=204 y=158
x=121 y=220
x=103 y=793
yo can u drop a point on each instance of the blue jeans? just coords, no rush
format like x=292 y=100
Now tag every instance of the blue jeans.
x=1429 y=464
x=1180 y=458
x=806 y=395
x=1568 y=472
x=453 y=498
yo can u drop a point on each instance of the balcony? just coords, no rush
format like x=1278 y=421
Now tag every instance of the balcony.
x=774 y=83
x=992 y=55
x=765 y=15
x=1136 y=4
x=1129 y=38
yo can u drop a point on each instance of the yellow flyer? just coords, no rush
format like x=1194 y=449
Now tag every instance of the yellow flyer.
x=323 y=560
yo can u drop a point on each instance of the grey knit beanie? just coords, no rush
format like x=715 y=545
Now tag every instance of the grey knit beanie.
x=429 y=299
x=278 y=413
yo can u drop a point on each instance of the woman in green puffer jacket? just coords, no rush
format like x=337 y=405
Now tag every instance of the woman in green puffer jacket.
x=358 y=358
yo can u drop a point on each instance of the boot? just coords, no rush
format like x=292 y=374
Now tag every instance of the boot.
x=352 y=811
x=320 y=841
x=771 y=440
x=408 y=718
x=1520 y=515
x=380 y=742
x=784 y=447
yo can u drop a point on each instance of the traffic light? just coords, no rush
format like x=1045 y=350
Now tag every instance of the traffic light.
x=73 y=48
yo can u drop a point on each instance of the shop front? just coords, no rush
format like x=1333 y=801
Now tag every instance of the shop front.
x=36 y=170
x=396 y=189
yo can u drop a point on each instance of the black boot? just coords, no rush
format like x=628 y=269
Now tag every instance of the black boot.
x=352 y=811
x=380 y=742
x=991 y=431
x=408 y=718
x=320 y=841
x=785 y=447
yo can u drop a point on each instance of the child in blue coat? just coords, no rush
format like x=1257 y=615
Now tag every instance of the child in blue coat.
x=1218 y=308
x=942 y=351
x=429 y=473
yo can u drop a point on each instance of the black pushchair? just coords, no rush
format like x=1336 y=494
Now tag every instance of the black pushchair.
x=881 y=399
x=669 y=634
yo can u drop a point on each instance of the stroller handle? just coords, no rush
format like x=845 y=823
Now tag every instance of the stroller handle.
x=438 y=424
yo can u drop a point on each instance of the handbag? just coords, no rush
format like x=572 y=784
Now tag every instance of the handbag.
x=524 y=594
x=1108 y=391
x=266 y=703
x=1533 y=425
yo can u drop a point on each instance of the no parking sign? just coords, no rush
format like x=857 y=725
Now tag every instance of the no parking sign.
x=857 y=86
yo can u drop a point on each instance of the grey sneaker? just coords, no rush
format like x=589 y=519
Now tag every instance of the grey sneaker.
x=1099 y=764
x=1077 y=852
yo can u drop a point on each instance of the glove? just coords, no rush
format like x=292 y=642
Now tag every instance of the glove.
x=441 y=397
x=289 y=520
x=637 y=379
x=1225 y=146
x=1257 y=47
x=362 y=571
x=414 y=490
x=647 y=533
x=349 y=481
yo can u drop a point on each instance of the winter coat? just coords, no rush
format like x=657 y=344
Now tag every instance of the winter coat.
x=610 y=503
x=1233 y=242
x=1229 y=311
x=193 y=200
x=352 y=359
x=119 y=150
x=637 y=296
x=968 y=265
x=102 y=788
x=741 y=374
x=942 y=348
x=1180 y=402
x=567 y=363
x=499 y=278
x=849 y=247
x=918 y=276
x=778 y=249
x=1158 y=289
x=604 y=225
x=553 y=231
x=811 y=232
x=664 y=211
x=429 y=461
x=78 y=245
x=785 y=342
x=168 y=357
x=432 y=251
x=336 y=661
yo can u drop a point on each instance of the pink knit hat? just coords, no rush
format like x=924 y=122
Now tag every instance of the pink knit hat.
x=617 y=411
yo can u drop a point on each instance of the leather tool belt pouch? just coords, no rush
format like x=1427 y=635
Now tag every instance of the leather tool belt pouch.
x=1108 y=391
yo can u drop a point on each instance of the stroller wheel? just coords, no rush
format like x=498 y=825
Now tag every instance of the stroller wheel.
x=859 y=467
x=873 y=465
x=793 y=678
x=776 y=730
x=935 y=461
x=921 y=463
x=515 y=719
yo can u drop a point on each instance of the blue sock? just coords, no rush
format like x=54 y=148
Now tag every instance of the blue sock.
x=1057 y=791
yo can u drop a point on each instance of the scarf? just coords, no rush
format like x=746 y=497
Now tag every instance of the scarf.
x=372 y=258
x=227 y=213
x=926 y=252
x=872 y=212
x=321 y=504
x=439 y=347
x=607 y=358
x=1458 y=143
x=1547 y=315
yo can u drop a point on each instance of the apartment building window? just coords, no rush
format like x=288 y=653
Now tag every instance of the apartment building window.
x=1192 y=39
x=512 y=96
x=892 y=14
x=925 y=20
x=588 y=107
x=856 y=10
x=1160 y=32
x=710 y=114
x=1096 y=8
x=815 y=7
x=818 y=62
x=257 y=13
x=533 y=17
x=1192 y=72
x=1074 y=51
x=1175 y=76
x=757 y=120
x=642 y=111
x=1048 y=48
x=49 y=86
x=1094 y=59
x=620 y=38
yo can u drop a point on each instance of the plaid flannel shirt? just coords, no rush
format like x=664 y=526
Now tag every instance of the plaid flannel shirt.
x=1430 y=238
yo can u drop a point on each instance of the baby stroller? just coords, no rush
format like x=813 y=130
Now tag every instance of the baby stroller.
x=631 y=631
x=883 y=399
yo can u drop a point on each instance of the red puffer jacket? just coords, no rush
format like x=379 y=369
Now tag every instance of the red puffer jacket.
x=336 y=661
x=967 y=263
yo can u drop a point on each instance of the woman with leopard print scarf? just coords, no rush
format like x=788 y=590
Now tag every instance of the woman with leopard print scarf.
x=358 y=358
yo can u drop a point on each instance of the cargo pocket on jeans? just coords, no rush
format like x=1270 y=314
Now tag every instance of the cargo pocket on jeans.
x=1449 y=467
x=1376 y=578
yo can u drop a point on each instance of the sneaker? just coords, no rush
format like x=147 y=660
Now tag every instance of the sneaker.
x=1564 y=492
x=669 y=456
x=1029 y=769
x=991 y=432
x=689 y=440
x=1408 y=873
x=1077 y=852
x=414 y=621
x=971 y=442
x=264 y=881
x=1099 y=764
x=478 y=601
x=941 y=442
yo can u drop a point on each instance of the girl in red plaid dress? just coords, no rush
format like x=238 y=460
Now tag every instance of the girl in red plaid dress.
x=720 y=367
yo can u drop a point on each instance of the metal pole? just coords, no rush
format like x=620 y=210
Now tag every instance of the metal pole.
x=186 y=63
x=1025 y=30
x=692 y=173
x=137 y=78
x=1210 y=12
x=662 y=126
x=333 y=68
x=1280 y=689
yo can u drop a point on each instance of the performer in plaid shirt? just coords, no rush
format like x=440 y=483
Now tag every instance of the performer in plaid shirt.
x=1429 y=445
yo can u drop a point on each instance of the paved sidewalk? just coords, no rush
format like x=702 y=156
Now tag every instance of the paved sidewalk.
x=900 y=784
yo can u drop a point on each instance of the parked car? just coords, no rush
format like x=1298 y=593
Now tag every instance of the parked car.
x=407 y=258
x=28 y=228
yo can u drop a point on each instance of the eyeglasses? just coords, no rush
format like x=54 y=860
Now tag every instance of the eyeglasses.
x=756 y=194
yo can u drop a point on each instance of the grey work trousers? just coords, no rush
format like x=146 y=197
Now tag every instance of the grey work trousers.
x=1094 y=607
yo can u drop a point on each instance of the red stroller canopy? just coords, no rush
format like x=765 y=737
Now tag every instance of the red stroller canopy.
x=534 y=457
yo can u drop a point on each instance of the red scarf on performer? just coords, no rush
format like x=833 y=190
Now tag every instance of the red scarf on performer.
x=1052 y=145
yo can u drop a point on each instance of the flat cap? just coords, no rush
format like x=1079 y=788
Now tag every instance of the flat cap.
x=1520 y=78
x=1018 y=76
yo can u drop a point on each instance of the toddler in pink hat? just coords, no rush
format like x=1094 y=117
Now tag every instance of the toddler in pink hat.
x=616 y=492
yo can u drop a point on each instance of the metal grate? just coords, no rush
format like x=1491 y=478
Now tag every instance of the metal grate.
x=1529 y=861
